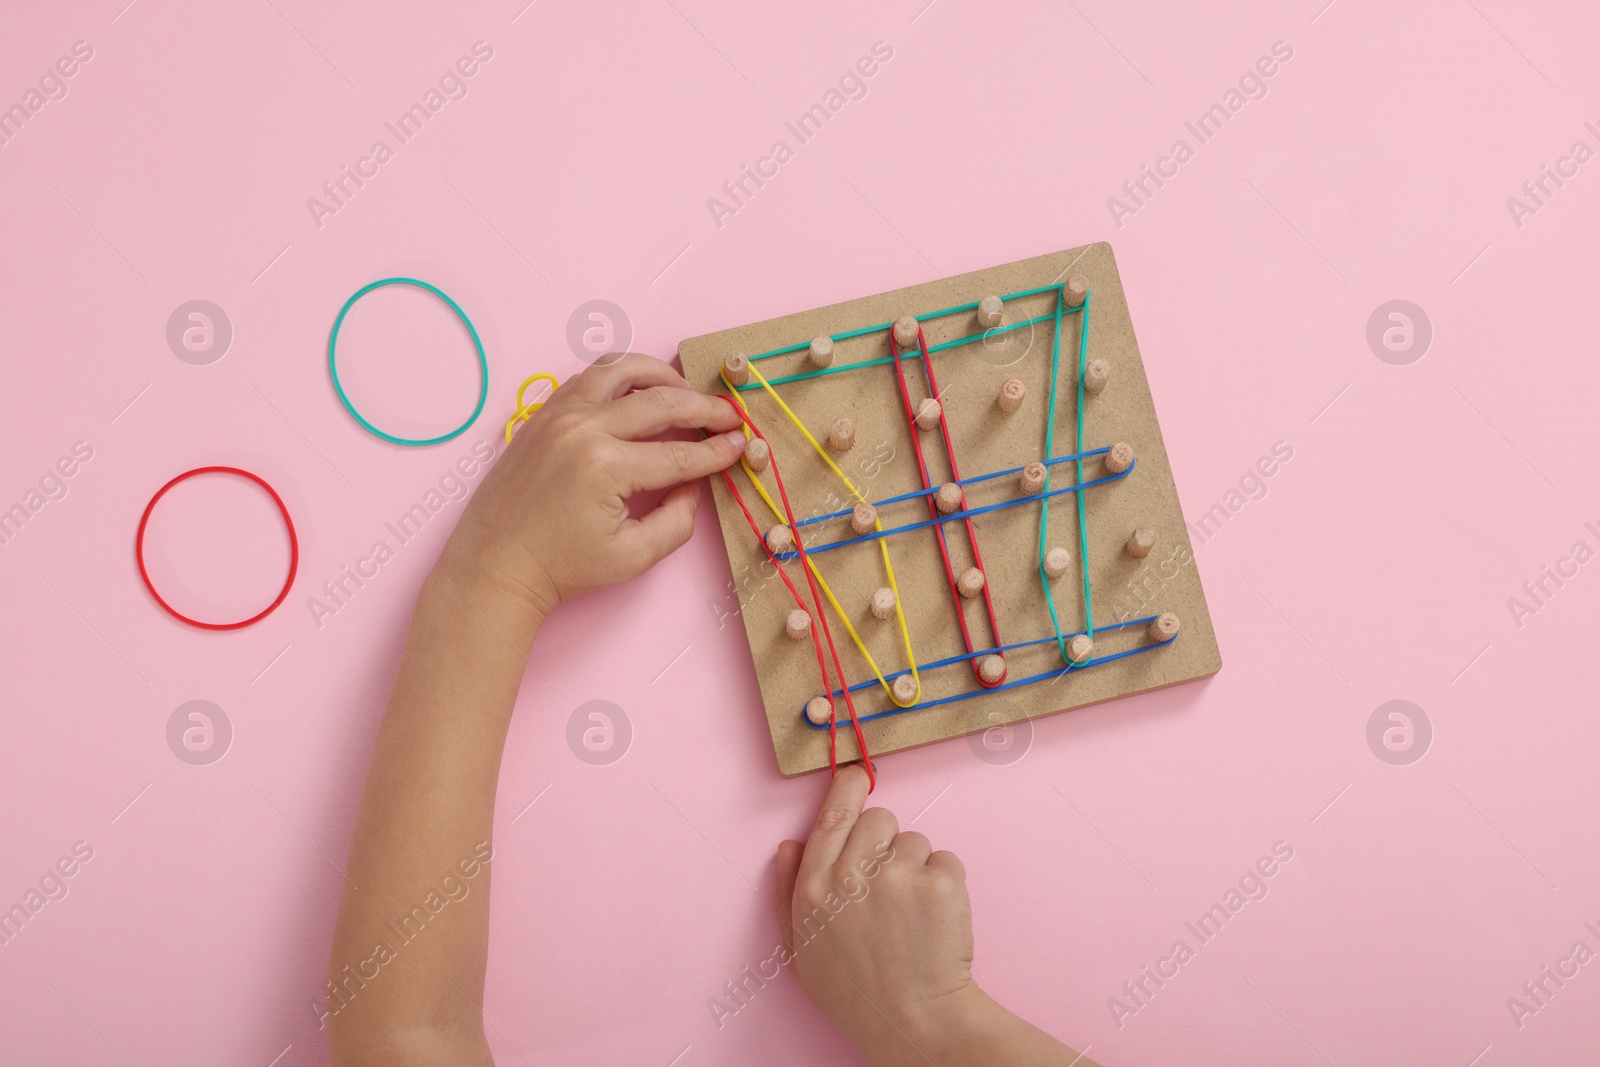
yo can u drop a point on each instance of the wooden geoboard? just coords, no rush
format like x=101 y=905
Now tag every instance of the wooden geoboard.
x=882 y=465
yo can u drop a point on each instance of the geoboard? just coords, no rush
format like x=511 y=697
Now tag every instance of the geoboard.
x=1055 y=511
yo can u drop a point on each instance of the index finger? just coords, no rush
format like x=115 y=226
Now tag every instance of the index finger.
x=651 y=411
x=607 y=381
x=836 y=818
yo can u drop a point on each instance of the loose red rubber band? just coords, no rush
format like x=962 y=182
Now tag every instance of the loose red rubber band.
x=294 y=549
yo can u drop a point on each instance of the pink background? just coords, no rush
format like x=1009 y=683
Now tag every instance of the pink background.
x=578 y=166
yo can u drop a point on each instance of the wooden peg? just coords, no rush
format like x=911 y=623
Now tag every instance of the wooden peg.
x=905 y=690
x=1075 y=289
x=798 y=624
x=928 y=413
x=819 y=710
x=1141 y=541
x=1120 y=458
x=905 y=332
x=842 y=435
x=1056 y=562
x=1011 y=394
x=863 y=518
x=821 y=354
x=758 y=454
x=970 y=584
x=1079 y=648
x=991 y=669
x=948 y=498
x=883 y=602
x=1163 y=627
x=737 y=368
x=780 y=539
x=1032 y=479
x=1095 y=375
x=990 y=312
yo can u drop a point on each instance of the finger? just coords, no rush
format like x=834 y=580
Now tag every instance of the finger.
x=835 y=819
x=608 y=381
x=660 y=464
x=912 y=847
x=663 y=407
x=663 y=530
x=871 y=835
x=948 y=861
x=789 y=853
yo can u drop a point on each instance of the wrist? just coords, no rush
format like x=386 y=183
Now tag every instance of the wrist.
x=971 y=1028
x=964 y=1028
x=484 y=600
x=957 y=1028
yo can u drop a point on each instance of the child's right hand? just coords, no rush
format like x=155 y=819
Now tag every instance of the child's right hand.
x=878 y=929
x=892 y=957
x=551 y=518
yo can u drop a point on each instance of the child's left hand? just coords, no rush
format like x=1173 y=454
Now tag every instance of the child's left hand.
x=551 y=519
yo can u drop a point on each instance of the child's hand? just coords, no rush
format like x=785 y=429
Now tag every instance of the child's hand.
x=551 y=519
x=880 y=929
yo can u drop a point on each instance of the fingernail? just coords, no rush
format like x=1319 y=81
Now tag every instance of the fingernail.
x=737 y=437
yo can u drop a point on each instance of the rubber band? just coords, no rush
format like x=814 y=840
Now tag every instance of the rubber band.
x=933 y=509
x=1031 y=680
x=827 y=591
x=974 y=480
x=1083 y=518
x=929 y=317
x=525 y=411
x=1049 y=449
x=883 y=361
x=294 y=549
x=956 y=516
x=822 y=619
x=888 y=564
x=816 y=641
x=338 y=387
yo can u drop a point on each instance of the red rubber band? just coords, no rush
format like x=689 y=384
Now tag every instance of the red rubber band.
x=816 y=598
x=294 y=549
x=933 y=510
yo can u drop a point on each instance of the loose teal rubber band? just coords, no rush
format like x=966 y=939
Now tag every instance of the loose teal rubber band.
x=483 y=363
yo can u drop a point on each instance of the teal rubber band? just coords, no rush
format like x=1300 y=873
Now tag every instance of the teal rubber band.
x=880 y=327
x=1083 y=519
x=886 y=360
x=1049 y=451
x=483 y=363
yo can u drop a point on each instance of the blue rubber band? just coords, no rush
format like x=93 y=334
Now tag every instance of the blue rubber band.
x=1031 y=680
x=914 y=494
x=878 y=535
x=483 y=363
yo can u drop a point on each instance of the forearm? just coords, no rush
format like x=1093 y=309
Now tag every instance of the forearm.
x=551 y=519
x=411 y=944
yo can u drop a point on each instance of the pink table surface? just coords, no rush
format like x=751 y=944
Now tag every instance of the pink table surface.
x=1380 y=563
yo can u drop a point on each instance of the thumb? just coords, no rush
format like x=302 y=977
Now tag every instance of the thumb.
x=789 y=853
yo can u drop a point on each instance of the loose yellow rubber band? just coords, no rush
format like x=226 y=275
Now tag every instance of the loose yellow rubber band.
x=526 y=410
x=883 y=546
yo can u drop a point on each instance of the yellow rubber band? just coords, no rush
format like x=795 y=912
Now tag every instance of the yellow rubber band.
x=525 y=410
x=883 y=546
